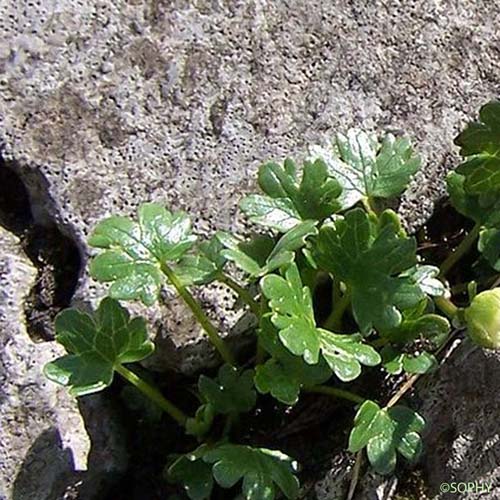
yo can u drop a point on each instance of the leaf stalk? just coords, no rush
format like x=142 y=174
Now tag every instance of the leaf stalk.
x=334 y=321
x=460 y=251
x=337 y=393
x=154 y=394
x=200 y=315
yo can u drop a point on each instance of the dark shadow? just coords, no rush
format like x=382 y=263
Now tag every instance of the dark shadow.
x=47 y=472
x=25 y=210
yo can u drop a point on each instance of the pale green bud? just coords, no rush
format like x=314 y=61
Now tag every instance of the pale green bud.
x=483 y=319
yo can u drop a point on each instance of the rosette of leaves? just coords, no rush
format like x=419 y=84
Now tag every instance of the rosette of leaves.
x=290 y=200
x=386 y=432
x=292 y=314
x=370 y=259
x=367 y=168
x=97 y=345
x=263 y=472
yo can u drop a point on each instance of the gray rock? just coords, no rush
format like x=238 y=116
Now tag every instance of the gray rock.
x=46 y=451
x=460 y=404
x=118 y=102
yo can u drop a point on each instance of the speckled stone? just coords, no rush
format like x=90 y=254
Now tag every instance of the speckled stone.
x=46 y=448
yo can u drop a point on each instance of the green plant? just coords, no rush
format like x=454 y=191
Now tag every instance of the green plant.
x=325 y=220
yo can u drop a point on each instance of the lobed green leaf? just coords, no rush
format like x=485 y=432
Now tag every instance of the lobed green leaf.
x=96 y=345
x=284 y=374
x=480 y=144
x=135 y=251
x=370 y=260
x=288 y=201
x=231 y=392
x=366 y=168
x=385 y=432
x=292 y=314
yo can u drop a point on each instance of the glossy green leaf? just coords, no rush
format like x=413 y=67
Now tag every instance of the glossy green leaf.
x=346 y=353
x=261 y=470
x=483 y=209
x=367 y=168
x=231 y=392
x=385 y=431
x=284 y=374
x=293 y=315
x=96 y=345
x=134 y=251
x=480 y=144
x=194 y=474
x=289 y=200
x=370 y=261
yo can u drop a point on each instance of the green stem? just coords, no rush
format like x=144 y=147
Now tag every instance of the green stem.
x=446 y=306
x=334 y=321
x=338 y=393
x=260 y=355
x=200 y=315
x=244 y=294
x=460 y=251
x=368 y=204
x=153 y=393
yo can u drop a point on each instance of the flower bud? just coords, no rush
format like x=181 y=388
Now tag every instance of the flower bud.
x=483 y=319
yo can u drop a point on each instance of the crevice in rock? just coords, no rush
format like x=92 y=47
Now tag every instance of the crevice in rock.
x=24 y=211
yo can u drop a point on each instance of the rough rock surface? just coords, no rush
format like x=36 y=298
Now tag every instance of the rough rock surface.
x=45 y=445
x=461 y=406
x=119 y=102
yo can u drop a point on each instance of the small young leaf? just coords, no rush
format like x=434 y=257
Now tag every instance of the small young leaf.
x=293 y=315
x=288 y=201
x=134 y=251
x=285 y=374
x=395 y=362
x=260 y=255
x=202 y=421
x=367 y=169
x=369 y=260
x=232 y=392
x=384 y=432
x=96 y=345
x=261 y=469
x=202 y=267
x=426 y=277
x=480 y=144
x=431 y=328
x=489 y=246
